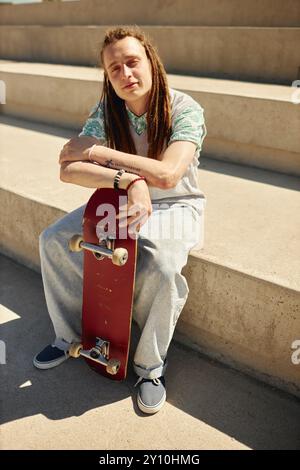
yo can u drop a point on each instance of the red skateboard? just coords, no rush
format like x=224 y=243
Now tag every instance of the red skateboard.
x=108 y=285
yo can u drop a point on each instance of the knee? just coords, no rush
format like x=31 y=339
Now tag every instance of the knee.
x=163 y=268
x=47 y=239
x=161 y=264
x=168 y=273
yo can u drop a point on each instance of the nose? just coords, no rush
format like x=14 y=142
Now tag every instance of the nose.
x=126 y=71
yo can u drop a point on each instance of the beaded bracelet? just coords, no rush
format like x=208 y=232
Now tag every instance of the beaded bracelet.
x=134 y=181
x=117 y=178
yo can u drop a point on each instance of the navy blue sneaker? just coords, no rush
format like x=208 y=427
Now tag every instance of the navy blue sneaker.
x=50 y=356
x=151 y=395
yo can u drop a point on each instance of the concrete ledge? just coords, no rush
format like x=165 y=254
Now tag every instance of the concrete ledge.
x=240 y=53
x=244 y=285
x=247 y=123
x=174 y=12
x=243 y=321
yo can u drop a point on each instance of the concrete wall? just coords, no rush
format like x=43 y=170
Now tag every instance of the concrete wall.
x=156 y=12
x=243 y=319
x=252 y=124
x=254 y=54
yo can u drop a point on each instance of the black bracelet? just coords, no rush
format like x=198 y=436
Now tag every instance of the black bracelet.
x=117 y=178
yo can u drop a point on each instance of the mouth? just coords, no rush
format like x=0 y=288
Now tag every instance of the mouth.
x=131 y=85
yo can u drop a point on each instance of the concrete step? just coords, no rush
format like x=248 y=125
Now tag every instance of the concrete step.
x=240 y=53
x=254 y=124
x=174 y=12
x=244 y=302
x=208 y=406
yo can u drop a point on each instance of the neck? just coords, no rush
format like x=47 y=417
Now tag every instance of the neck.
x=139 y=107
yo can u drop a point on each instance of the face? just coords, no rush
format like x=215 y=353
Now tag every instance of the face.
x=129 y=72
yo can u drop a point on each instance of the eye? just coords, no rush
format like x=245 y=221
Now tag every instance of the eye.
x=130 y=63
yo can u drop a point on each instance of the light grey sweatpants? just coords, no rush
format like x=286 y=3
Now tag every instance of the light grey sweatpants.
x=160 y=290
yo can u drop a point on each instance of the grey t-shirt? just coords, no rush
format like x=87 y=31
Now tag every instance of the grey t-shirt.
x=187 y=124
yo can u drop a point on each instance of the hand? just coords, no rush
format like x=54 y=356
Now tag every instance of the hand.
x=77 y=149
x=138 y=208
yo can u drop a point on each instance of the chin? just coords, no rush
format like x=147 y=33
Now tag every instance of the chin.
x=126 y=96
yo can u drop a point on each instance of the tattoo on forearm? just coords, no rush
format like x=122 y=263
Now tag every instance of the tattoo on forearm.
x=108 y=163
x=119 y=164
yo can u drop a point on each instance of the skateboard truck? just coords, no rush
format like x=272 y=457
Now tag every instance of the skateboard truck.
x=99 y=353
x=118 y=256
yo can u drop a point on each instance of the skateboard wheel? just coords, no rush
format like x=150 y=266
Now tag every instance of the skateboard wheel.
x=113 y=366
x=119 y=256
x=75 y=243
x=75 y=349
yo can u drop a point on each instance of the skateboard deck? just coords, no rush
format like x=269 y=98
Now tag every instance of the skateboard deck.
x=108 y=285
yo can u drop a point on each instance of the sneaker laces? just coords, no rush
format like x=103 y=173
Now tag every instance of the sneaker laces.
x=155 y=381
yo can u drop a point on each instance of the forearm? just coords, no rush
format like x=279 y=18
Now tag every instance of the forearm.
x=157 y=173
x=86 y=174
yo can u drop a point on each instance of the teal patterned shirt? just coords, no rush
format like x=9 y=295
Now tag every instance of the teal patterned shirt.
x=188 y=124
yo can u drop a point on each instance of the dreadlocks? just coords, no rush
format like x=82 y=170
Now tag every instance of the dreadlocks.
x=159 y=110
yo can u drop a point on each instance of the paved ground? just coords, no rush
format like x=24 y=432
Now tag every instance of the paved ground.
x=209 y=406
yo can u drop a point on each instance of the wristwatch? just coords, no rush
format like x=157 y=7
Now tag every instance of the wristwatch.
x=117 y=178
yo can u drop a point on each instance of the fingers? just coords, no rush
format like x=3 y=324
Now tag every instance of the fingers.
x=135 y=226
x=127 y=211
x=64 y=156
x=75 y=150
x=134 y=222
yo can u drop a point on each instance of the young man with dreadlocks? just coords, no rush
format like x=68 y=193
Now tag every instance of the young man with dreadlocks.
x=146 y=137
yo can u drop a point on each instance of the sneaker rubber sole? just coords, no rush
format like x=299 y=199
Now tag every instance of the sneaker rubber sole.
x=50 y=364
x=151 y=409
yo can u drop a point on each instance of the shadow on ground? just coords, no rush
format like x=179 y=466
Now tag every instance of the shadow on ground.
x=254 y=414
